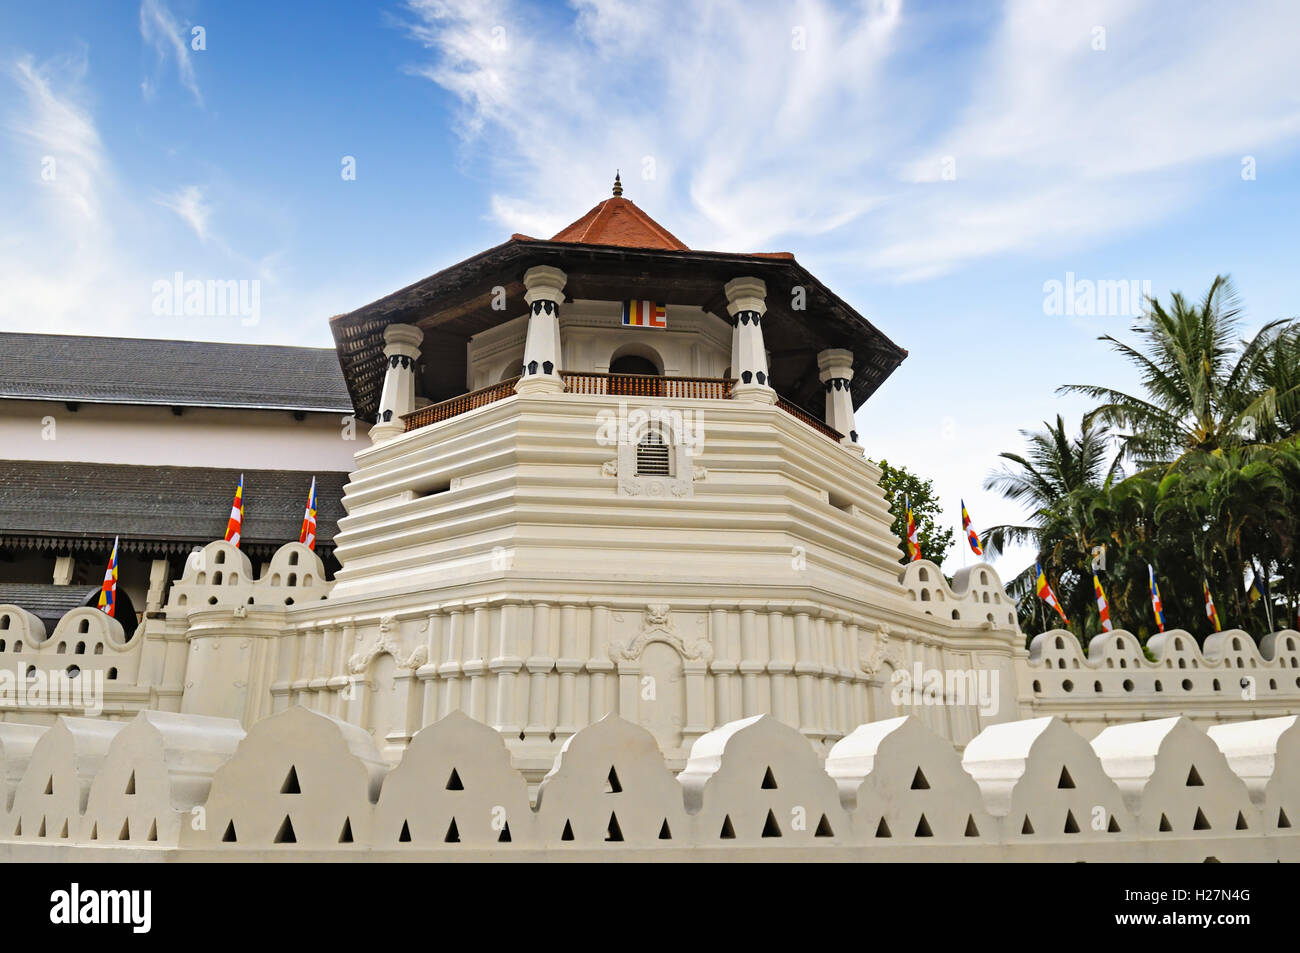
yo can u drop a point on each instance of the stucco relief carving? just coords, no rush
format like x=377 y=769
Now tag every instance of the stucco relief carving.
x=385 y=643
x=657 y=626
x=880 y=653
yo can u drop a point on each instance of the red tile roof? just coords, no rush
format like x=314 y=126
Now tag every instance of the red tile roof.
x=617 y=221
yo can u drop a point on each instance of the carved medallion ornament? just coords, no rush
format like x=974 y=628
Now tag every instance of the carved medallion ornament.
x=657 y=626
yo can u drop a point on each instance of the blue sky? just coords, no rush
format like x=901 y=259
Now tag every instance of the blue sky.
x=936 y=164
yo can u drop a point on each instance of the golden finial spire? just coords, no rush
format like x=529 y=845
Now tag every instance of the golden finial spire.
x=618 y=185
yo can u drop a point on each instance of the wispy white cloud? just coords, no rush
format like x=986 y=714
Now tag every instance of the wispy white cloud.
x=160 y=30
x=190 y=204
x=751 y=125
x=56 y=135
x=60 y=249
x=80 y=244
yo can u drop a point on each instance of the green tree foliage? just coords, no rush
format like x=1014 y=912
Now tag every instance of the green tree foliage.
x=899 y=482
x=1214 y=446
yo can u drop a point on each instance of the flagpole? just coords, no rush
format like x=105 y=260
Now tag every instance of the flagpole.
x=1268 y=597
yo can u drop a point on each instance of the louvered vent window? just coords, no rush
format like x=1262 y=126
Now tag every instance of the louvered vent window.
x=652 y=455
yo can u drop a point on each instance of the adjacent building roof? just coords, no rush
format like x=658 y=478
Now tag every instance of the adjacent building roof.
x=160 y=510
x=82 y=368
x=50 y=603
x=613 y=252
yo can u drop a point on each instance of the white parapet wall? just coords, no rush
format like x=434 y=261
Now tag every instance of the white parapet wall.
x=1230 y=678
x=302 y=786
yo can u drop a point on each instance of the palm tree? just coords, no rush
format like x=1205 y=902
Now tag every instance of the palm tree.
x=1202 y=392
x=1057 y=479
x=1278 y=375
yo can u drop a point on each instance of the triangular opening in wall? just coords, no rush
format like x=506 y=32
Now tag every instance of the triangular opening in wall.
x=1026 y=827
x=1194 y=778
x=769 y=780
x=64 y=832
x=153 y=830
x=285 y=834
x=1071 y=825
x=1201 y=823
x=611 y=782
x=613 y=832
x=971 y=829
x=94 y=831
x=664 y=832
x=882 y=829
x=770 y=826
x=504 y=836
x=290 y=785
x=1282 y=819
x=1241 y=822
x=824 y=828
x=1165 y=826
x=229 y=836
x=125 y=832
x=18 y=831
x=345 y=836
x=568 y=831
x=453 y=833
x=1113 y=826
x=728 y=832
x=923 y=828
x=41 y=832
x=1066 y=782
x=49 y=785
x=405 y=836
x=130 y=784
x=453 y=782
x=919 y=783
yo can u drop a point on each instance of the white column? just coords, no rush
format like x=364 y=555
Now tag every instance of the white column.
x=159 y=571
x=836 y=373
x=544 y=294
x=64 y=569
x=746 y=303
x=402 y=351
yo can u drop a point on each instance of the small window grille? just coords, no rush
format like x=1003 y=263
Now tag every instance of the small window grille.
x=652 y=455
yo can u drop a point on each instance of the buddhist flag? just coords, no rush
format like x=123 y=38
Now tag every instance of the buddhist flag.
x=308 y=535
x=236 y=523
x=108 y=592
x=644 y=314
x=1253 y=592
x=972 y=537
x=1044 y=589
x=913 y=537
x=1156 y=604
x=1211 y=612
x=1103 y=607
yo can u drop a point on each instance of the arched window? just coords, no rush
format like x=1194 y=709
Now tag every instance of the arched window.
x=652 y=455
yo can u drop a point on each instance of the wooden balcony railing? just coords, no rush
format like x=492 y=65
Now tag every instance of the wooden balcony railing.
x=459 y=405
x=645 y=385
x=794 y=410
x=611 y=385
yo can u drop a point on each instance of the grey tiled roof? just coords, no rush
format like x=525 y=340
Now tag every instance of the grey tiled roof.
x=83 y=506
x=171 y=373
x=50 y=603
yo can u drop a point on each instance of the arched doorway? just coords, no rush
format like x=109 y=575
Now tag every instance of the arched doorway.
x=633 y=369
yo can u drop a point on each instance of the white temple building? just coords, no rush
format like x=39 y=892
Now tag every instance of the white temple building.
x=614 y=481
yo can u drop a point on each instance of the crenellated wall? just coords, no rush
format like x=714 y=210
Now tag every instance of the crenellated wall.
x=1229 y=678
x=301 y=785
